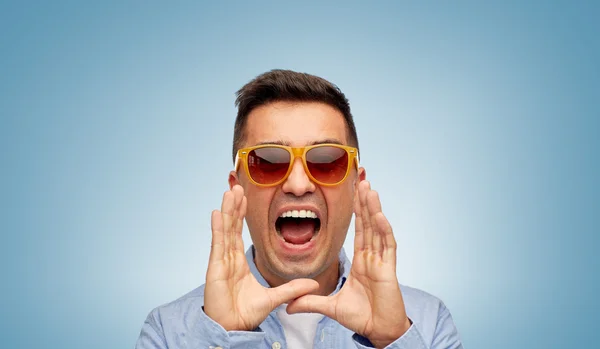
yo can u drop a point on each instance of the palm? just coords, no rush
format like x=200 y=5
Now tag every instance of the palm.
x=370 y=303
x=232 y=295
x=240 y=301
x=363 y=304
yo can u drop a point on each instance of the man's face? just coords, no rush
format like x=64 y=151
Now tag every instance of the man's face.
x=297 y=124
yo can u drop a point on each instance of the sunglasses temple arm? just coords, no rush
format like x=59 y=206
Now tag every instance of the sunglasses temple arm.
x=235 y=163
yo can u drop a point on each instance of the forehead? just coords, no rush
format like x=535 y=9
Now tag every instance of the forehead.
x=295 y=123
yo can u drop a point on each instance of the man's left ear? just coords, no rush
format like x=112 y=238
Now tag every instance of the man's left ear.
x=362 y=175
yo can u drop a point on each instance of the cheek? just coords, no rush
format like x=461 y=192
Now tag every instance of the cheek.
x=340 y=204
x=257 y=212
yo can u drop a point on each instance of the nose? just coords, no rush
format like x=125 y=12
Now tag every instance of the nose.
x=298 y=182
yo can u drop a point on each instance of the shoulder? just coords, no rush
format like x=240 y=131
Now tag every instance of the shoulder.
x=184 y=309
x=415 y=297
x=417 y=302
x=427 y=312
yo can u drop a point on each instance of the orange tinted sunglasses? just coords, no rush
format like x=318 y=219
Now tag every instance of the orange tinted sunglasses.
x=270 y=164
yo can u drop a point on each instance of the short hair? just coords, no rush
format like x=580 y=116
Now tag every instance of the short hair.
x=286 y=85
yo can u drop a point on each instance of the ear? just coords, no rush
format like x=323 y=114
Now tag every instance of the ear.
x=233 y=179
x=361 y=176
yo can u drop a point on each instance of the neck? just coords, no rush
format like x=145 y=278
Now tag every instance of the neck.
x=328 y=279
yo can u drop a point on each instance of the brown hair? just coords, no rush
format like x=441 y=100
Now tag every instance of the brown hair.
x=287 y=85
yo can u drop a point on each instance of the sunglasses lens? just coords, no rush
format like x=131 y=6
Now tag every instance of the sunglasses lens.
x=268 y=165
x=327 y=164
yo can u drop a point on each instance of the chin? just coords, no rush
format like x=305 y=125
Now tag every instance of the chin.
x=293 y=267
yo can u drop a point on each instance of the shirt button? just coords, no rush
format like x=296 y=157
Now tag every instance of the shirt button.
x=276 y=345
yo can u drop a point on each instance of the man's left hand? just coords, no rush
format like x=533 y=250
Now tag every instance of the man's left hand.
x=370 y=303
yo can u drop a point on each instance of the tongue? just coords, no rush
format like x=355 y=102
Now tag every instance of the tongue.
x=297 y=231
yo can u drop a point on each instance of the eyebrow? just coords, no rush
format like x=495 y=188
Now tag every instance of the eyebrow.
x=322 y=141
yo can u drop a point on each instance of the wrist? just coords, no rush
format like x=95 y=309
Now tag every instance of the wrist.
x=384 y=342
x=227 y=325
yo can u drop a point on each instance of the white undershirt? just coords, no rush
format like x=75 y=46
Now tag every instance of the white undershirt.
x=299 y=329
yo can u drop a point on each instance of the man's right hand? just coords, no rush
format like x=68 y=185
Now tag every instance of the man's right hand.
x=232 y=295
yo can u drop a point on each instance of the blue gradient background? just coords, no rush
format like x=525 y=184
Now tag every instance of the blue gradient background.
x=478 y=125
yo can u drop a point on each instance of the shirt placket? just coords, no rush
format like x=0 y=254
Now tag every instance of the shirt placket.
x=274 y=335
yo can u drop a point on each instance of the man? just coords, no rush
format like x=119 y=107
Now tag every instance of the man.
x=297 y=180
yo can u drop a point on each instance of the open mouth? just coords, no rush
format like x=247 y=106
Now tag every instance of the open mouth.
x=298 y=227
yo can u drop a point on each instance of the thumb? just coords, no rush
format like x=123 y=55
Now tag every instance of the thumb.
x=291 y=290
x=313 y=304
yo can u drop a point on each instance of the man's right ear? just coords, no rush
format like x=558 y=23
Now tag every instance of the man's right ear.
x=233 y=179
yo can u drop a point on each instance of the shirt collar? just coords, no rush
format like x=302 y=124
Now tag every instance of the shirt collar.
x=344 y=265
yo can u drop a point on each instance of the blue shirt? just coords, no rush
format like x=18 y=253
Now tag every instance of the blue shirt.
x=183 y=324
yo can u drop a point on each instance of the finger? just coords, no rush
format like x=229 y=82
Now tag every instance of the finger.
x=291 y=290
x=217 y=244
x=380 y=223
x=374 y=207
x=239 y=242
x=358 y=225
x=227 y=207
x=238 y=198
x=313 y=304
x=387 y=234
x=363 y=188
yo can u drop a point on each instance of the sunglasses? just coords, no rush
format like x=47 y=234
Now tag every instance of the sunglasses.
x=271 y=164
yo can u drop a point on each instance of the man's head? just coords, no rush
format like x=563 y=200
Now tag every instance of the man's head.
x=296 y=110
x=287 y=85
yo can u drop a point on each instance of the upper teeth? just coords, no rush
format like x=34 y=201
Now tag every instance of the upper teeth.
x=299 y=214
